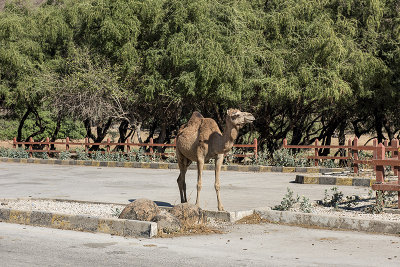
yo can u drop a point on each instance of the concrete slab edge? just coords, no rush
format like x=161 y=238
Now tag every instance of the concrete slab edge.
x=329 y=221
x=127 y=228
x=334 y=180
x=163 y=165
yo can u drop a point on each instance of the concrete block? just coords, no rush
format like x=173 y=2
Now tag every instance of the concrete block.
x=312 y=170
x=253 y=168
x=276 y=169
x=299 y=179
x=191 y=167
x=300 y=169
x=327 y=180
x=265 y=168
x=140 y=228
x=4 y=215
x=103 y=163
x=40 y=218
x=128 y=164
x=111 y=164
x=111 y=226
x=344 y=181
x=19 y=216
x=288 y=169
x=232 y=168
x=237 y=215
x=310 y=179
x=154 y=165
x=163 y=166
x=84 y=223
x=360 y=182
x=174 y=166
x=60 y=221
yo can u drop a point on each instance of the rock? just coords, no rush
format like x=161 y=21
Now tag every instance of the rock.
x=167 y=222
x=141 y=209
x=188 y=214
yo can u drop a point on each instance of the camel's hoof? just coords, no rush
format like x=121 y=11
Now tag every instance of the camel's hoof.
x=221 y=209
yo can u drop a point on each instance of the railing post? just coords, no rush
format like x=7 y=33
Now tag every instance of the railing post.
x=151 y=145
x=15 y=142
x=86 y=144
x=284 y=143
x=380 y=170
x=67 y=144
x=128 y=148
x=255 y=148
x=47 y=146
x=30 y=147
x=375 y=144
x=316 y=153
x=395 y=155
x=355 y=154
x=349 y=151
x=108 y=145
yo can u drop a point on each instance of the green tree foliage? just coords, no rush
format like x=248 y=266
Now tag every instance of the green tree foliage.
x=307 y=69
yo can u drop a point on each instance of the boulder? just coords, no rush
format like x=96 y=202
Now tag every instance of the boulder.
x=188 y=214
x=167 y=222
x=141 y=209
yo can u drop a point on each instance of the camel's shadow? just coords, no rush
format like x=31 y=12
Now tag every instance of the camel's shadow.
x=159 y=203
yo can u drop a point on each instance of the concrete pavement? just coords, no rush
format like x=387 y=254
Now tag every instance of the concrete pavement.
x=239 y=190
x=243 y=245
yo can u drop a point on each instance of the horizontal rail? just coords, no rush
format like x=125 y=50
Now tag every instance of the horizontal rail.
x=107 y=147
x=327 y=157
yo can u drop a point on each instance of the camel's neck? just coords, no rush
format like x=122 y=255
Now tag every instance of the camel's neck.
x=228 y=138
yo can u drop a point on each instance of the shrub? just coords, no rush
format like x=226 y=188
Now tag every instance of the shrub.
x=64 y=155
x=288 y=201
x=286 y=158
x=16 y=153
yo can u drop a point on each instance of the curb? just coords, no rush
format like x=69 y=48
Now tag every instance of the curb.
x=329 y=221
x=120 y=227
x=165 y=166
x=334 y=180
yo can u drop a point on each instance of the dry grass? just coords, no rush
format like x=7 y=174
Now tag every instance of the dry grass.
x=251 y=219
x=198 y=229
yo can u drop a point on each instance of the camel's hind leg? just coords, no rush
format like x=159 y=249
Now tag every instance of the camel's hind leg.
x=183 y=164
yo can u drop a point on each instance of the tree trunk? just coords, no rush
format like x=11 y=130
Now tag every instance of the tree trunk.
x=21 y=124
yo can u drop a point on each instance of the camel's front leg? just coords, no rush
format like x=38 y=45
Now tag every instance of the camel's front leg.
x=218 y=163
x=200 y=165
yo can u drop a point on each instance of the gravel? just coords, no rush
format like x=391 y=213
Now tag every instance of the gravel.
x=102 y=210
x=105 y=210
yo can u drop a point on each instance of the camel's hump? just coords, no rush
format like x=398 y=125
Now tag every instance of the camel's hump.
x=193 y=124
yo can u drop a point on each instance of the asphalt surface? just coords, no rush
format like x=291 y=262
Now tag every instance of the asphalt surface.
x=239 y=190
x=241 y=245
x=244 y=245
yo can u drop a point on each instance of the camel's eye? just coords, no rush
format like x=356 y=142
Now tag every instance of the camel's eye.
x=235 y=116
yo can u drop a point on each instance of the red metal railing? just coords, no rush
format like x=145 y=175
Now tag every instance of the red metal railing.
x=353 y=151
x=380 y=162
x=108 y=144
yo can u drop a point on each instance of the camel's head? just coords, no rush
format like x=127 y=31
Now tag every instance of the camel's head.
x=239 y=118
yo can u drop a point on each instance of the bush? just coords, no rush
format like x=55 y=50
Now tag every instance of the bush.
x=15 y=153
x=285 y=158
x=288 y=201
x=64 y=155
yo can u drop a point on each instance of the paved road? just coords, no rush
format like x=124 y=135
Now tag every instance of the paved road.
x=239 y=190
x=244 y=245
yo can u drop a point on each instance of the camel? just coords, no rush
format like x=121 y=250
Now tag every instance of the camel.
x=200 y=140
